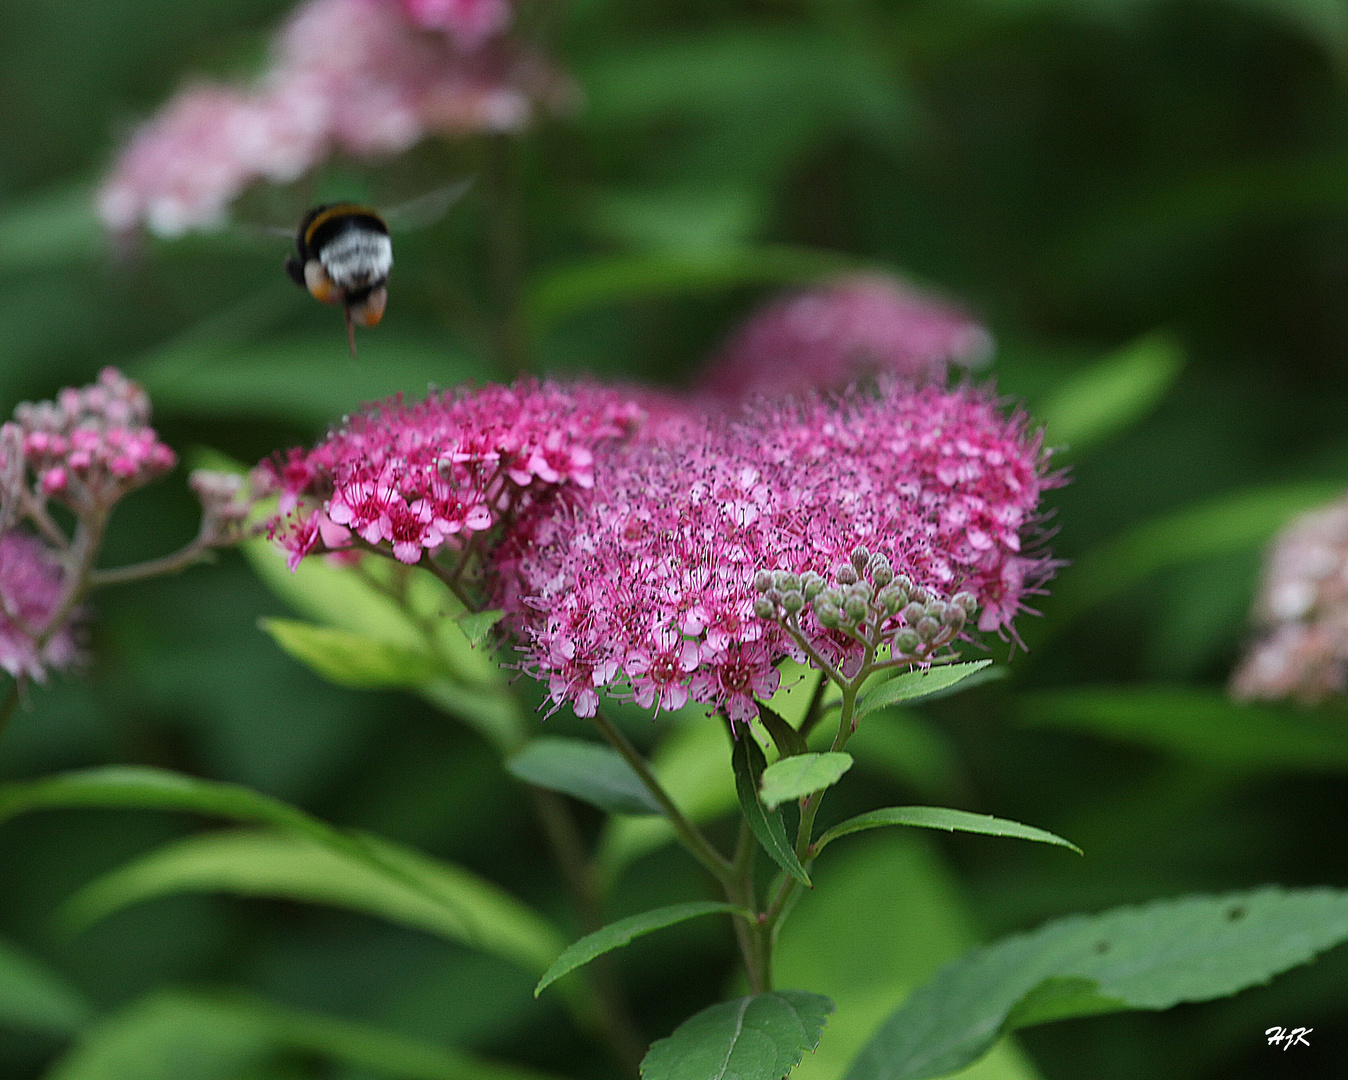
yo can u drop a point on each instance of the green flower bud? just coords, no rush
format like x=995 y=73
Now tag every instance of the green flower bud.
x=773 y=596
x=811 y=585
x=788 y=582
x=765 y=608
x=967 y=601
x=863 y=590
x=763 y=581
x=855 y=608
x=845 y=575
x=793 y=602
x=828 y=616
x=913 y=612
x=927 y=628
x=905 y=643
x=860 y=557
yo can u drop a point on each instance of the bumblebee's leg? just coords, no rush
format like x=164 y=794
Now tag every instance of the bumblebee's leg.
x=370 y=309
x=350 y=331
x=295 y=269
x=320 y=286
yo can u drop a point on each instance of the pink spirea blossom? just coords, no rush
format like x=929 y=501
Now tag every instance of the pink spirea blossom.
x=86 y=449
x=850 y=329
x=413 y=477
x=643 y=583
x=1301 y=613
x=469 y=22
x=352 y=76
x=31 y=585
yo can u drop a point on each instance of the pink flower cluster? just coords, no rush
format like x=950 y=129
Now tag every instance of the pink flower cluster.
x=31 y=588
x=86 y=449
x=1301 y=613
x=361 y=77
x=413 y=478
x=853 y=328
x=646 y=579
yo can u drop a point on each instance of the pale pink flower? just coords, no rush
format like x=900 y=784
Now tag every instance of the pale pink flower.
x=849 y=329
x=31 y=586
x=90 y=446
x=470 y=23
x=1301 y=613
x=359 y=77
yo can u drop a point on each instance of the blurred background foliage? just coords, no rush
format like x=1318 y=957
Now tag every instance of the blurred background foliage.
x=1147 y=200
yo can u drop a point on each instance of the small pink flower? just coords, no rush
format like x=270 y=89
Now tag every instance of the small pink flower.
x=31 y=585
x=469 y=22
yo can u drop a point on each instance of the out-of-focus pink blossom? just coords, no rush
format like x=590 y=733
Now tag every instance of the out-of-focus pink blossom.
x=1301 y=613
x=850 y=329
x=470 y=23
x=647 y=577
x=414 y=477
x=358 y=77
x=31 y=588
x=89 y=447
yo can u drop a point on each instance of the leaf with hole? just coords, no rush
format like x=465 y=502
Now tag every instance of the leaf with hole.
x=795 y=777
x=751 y=1038
x=597 y=774
x=623 y=931
x=1151 y=957
x=940 y=817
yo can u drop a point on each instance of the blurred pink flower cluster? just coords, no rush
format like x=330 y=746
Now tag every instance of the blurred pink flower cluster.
x=646 y=581
x=852 y=328
x=86 y=449
x=363 y=77
x=413 y=477
x=1301 y=613
x=32 y=588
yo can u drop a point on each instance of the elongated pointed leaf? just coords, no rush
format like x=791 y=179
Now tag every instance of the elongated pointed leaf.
x=767 y=825
x=912 y=685
x=939 y=817
x=352 y=659
x=178 y=1036
x=795 y=777
x=1113 y=394
x=625 y=930
x=586 y=770
x=395 y=884
x=751 y=1038
x=1149 y=957
x=33 y=997
x=145 y=788
x=788 y=740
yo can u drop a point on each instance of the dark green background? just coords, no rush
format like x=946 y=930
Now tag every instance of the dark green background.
x=1081 y=172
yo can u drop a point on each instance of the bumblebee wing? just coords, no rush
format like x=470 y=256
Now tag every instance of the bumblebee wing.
x=426 y=209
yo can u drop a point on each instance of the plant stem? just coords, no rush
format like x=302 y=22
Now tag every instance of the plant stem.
x=184 y=557
x=568 y=851
x=688 y=834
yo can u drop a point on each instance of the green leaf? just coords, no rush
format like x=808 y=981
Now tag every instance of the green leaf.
x=1203 y=725
x=1113 y=394
x=623 y=278
x=476 y=624
x=1233 y=522
x=597 y=774
x=33 y=997
x=1150 y=957
x=795 y=777
x=624 y=930
x=938 y=817
x=54 y=228
x=768 y=827
x=394 y=883
x=751 y=1038
x=789 y=741
x=179 y=1036
x=912 y=685
x=351 y=659
x=885 y=878
x=145 y=788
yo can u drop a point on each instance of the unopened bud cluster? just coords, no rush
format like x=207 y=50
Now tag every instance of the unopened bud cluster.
x=864 y=597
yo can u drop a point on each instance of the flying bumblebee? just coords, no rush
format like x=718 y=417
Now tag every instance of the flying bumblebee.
x=343 y=253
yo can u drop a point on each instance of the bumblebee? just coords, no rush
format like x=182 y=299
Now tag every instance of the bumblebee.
x=343 y=255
